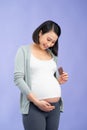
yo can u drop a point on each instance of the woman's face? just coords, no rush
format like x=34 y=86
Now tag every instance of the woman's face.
x=47 y=40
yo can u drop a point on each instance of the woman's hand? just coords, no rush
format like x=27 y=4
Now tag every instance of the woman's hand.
x=63 y=78
x=41 y=104
x=44 y=106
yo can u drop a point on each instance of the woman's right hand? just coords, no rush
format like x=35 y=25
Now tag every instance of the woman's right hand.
x=41 y=104
x=44 y=106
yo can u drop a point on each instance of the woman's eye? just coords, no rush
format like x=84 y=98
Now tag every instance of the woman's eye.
x=53 y=42
x=48 y=39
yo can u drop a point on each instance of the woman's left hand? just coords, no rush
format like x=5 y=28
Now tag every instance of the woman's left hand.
x=63 y=78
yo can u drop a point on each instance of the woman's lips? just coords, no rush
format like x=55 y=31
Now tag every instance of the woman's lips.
x=45 y=46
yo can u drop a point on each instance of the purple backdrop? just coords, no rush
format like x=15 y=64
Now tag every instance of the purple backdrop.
x=18 y=19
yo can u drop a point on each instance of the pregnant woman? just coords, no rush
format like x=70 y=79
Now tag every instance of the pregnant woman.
x=36 y=75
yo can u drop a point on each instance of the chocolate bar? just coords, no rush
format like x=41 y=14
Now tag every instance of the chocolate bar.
x=60 y=70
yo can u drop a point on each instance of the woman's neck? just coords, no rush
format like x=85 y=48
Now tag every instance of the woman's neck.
x=37 y=46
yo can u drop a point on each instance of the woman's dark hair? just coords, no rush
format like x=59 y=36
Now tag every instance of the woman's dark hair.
x=46 y=27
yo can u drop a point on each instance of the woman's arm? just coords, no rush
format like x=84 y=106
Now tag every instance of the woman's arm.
x=19 y=72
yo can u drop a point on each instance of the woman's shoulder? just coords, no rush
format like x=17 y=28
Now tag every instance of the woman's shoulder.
x=54 y=57
x=23 y=50
x=51 y=53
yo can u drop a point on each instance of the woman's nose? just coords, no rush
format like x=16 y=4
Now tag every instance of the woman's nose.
x=49 y=44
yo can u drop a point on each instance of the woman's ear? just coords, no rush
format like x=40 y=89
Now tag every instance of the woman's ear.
x=40 y=33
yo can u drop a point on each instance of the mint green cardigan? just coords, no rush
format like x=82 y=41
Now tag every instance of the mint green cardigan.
x=22 y=76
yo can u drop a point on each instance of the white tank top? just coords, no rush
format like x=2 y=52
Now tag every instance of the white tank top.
x=43 y=83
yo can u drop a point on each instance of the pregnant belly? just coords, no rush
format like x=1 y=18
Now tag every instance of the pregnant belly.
x=48 y=90
x=52 y=100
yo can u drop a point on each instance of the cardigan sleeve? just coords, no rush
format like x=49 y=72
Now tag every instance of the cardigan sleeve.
x=19 y=72
x=56 y=73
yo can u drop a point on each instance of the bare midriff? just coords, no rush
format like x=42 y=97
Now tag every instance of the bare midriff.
x=52 y=100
